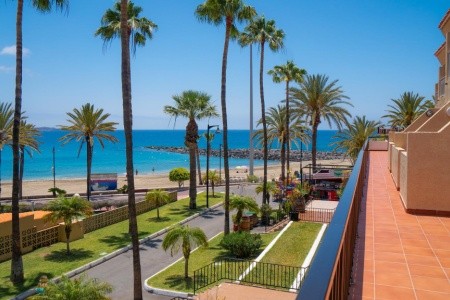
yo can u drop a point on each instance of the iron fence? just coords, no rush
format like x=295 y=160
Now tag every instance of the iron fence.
x=321 y=215
x=249 y=272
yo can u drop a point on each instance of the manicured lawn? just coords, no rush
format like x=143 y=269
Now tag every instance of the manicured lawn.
x=290 y=250
x=173 y=277
x=53 y=261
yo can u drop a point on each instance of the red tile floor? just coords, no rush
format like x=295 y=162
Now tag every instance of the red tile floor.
x=398 y=255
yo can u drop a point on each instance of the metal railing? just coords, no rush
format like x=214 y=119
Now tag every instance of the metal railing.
x=321 y=215
x=249 y=272
x=329 y=274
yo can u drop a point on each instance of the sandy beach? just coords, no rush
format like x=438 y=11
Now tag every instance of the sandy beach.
x=142 y=181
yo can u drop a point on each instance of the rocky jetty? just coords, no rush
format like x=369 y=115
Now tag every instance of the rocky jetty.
x=244 y=153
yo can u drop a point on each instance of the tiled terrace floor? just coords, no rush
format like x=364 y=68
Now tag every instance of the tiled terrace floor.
x=398 y=255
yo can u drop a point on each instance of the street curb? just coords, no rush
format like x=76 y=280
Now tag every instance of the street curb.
x=111 y=255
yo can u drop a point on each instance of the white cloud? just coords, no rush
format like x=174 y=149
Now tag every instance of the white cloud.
x=11 y=50
x=5 y=69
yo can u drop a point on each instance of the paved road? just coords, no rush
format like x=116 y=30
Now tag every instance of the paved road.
x=118 y=271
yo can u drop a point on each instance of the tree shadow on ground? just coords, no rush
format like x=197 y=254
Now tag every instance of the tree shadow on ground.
x=122 y=240
x=161 y=219
x=184 y=211
x=153 y=243
x=75 y=254
x=179 y=282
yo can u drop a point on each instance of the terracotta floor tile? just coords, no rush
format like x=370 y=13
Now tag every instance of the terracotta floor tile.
x=390 y=267
x=441 y=253
x=388 y=247
x=393 y=279
x=431 y=284
x=394 y=293
x=415 y=243
x=390 y=256
x=422 y=260
x=427 y=295
x=421 y=270
x=434 y=229
x=440 y=244
x=418 y=250
x=445 y=262
x=413 y=236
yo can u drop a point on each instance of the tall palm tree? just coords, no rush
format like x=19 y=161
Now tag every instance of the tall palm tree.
x=184 y=237
x=192 y=105
x=28 y=143
x=241 y=203
x=6 y=124
x=86 y=125
x=213 y=178
x=16 y=260
x=261 y=31
x=139 y=28
x=123 y=25
x=352 y=138
x=406 y=109
x=68 y=210
x=316 y=99
x=287 y=73
x=229 y=12
x=276 y=128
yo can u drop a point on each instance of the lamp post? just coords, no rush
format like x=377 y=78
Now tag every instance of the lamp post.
x=301 y=161
x=208 y=145
x=220 y=163
x=54 y=173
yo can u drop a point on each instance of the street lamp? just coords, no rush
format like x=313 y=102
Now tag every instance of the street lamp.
x=208 y=145
x=3 y=138
x=301 y=160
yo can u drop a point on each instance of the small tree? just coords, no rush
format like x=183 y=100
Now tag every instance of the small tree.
x=213 y=179
x=157 y=198
x=184 y=237
x=68 y=209
x=271 y=188
x=241 y=203
x=179 y=175
x=79 y=288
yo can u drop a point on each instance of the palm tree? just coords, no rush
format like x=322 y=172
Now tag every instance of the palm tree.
x=218 y=12
x=124 y=25
x=86 y=125
x=213 y=178
x=261 y=31
x=28 y=143
x=406 y=109
x=192 y=105
x=16 y=260
x=287 y=73
x=316 y=99
x=6 y=123
x=78 y=288
x=157 y=198
x=139 y=28
x=276 y=131
x=68 y=210
x=184 y=237
x=352 y=139
x=241 y=203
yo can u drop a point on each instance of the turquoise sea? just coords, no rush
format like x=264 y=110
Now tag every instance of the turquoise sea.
x=111 y=159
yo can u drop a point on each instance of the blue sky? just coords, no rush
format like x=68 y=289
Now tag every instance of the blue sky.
x=377 y=49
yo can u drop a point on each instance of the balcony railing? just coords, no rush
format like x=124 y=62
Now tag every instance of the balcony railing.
x=329 y=274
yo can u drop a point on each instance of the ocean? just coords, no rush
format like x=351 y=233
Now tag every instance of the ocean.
x=111 y=159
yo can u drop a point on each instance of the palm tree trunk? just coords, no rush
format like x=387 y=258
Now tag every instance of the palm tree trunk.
x=263 y=119
x=191 y=143
x=314 y=142
x=223 y=101
x=287 y=140
x=283 y=158
x=21 y=168
x=199 y=169
x=186 y=267
x=68 y=230
x=128 y=127
x=16 y=260
x=88 y=166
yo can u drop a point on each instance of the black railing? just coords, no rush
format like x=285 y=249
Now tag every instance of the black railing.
x=329 y=274
x=249 y=272
x=321 y=215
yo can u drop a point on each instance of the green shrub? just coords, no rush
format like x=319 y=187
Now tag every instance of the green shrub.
x=265 y=210
x=179 y=175
x=252 y=178
x=242 y=244
x=57 y=191
x=123 y=189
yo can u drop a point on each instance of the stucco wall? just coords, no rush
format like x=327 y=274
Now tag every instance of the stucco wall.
x=428 y=170
x=403 y=169
x=395 y=165
x=378 y=145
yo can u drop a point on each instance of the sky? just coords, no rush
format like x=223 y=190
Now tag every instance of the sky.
x=376 y=49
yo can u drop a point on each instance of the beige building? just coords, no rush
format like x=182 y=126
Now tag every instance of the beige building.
x=419 y=156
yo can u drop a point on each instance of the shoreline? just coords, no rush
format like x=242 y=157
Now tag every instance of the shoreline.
x=143 y=181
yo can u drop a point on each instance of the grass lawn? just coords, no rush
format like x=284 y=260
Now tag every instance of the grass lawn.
x=173 y=278
x=290 y=250
x=53 y=261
